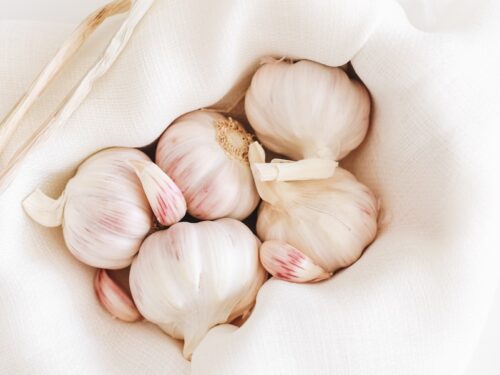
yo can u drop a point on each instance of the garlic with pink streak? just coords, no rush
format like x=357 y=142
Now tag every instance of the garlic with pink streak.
x=285 y=262
x=103 y=210
x=306 y=110
x=114 y=298
x=165 y=198
x=331 y=221
x=206 y=155
x=191 y=277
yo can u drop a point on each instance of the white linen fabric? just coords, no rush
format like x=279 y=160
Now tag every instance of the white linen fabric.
x=416 y=300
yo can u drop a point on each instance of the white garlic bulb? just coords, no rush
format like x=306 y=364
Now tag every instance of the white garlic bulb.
x=331 y=220
x=191 y=277
x=103 y=210
x=206 y=155
x=307 y=110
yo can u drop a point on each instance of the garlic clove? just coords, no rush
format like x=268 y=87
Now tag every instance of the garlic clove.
x=287 y=170
x=114 y=299
x=166 y=199
x=285 y=262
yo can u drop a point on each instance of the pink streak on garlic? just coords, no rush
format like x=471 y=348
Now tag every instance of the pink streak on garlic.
x=166 y=199
x=285 y=262
x=114 y=299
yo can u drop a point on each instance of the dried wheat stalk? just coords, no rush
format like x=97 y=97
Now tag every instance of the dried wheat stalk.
x=137 y=9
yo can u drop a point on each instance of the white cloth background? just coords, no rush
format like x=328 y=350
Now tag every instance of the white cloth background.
x=414 y=303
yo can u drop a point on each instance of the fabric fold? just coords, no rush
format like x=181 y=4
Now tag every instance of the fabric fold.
x=415 y=301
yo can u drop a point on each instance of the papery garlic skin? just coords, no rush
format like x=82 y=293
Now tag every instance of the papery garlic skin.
x=307 y=110
x=331 y=220
x=205 y=154
x=285 y=262
x=103 y=211
x=191 y=277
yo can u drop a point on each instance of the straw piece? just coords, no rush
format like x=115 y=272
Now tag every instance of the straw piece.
x=73 y=100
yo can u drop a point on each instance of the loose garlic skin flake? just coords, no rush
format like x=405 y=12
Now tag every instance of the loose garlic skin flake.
x=104 y=211
x=307 y=110
x=206 y=155
x=331 y=221
x=191 y=277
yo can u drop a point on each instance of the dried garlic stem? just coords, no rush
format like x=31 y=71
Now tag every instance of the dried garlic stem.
x=192 y=338
x=45 y=210
x=266 y=189
x=285 y=170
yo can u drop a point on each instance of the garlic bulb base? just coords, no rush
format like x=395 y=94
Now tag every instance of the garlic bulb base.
x=45 y=210
x=114 y=299
x=286 y=262
x=233 y=138
x=287 y=170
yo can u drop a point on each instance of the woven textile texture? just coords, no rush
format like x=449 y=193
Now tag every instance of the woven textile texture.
x=416 y=300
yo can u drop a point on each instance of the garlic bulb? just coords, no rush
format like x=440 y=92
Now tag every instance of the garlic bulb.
x=206 y=155
x=114 y=299
x=331 y=221
x=307 y=110
x=285 y=262
x=103 y=210
x=191 y=277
